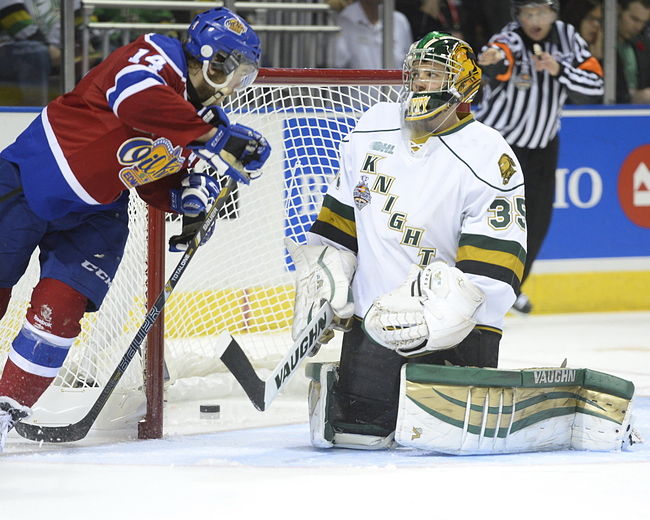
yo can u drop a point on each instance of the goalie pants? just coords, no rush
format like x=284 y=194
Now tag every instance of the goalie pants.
x=365 y=398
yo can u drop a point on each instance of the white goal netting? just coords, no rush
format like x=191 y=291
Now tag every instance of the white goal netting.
x=240 y=282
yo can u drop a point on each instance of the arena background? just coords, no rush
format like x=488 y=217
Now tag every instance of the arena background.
x=597 y=253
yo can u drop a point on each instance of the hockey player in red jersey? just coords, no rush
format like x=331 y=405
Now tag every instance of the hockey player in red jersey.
x=137 y=120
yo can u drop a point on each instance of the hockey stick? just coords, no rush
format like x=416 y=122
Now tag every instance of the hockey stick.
x=78 y=430
x=260 y=392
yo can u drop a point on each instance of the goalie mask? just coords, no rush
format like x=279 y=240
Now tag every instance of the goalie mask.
x=439 y=73
x=227 y=49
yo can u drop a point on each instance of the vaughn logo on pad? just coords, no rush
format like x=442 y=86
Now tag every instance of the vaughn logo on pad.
x=562 y=375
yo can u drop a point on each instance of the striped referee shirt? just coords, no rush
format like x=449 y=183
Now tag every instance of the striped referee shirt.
x=525 y=105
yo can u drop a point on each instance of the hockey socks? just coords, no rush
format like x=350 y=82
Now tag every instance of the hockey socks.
x=34 y=360
x=25 y=388
x=40 y=348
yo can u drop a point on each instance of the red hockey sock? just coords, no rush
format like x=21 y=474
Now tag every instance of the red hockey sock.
x=22 y=386
x=55 y=309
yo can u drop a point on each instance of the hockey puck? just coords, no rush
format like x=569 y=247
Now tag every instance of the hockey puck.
x=210 y=411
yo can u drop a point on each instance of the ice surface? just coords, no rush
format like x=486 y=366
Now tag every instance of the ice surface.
x=270 y=471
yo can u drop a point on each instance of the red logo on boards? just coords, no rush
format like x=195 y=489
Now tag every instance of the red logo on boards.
x=634 y=186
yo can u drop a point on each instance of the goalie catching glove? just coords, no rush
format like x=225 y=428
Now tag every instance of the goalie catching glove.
x=432 y=310
x=322 y=272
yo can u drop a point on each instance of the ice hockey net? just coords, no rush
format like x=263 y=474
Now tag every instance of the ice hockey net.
x=241 y=281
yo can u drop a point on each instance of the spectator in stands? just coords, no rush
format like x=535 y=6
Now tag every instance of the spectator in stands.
x=359 y=44
x=480 y=19
x=587 y=17
x=633 y=63
x=425 y=16
x=338 y=5
x=26 y=55
x=30 y=54
x=135 y=15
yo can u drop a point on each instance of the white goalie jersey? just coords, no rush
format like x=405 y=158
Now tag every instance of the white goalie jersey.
x=458 y=198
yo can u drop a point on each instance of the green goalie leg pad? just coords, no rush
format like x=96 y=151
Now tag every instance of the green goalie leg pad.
x=323 y=433
x=460 y=410
x=322 y=377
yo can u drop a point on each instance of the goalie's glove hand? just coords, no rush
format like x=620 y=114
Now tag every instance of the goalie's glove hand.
x=433 y=310
x=191 y=224
x=196 y=194
x=322 y=273
x=396 y=320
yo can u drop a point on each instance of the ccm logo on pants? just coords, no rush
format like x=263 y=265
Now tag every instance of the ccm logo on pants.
x=103 y=276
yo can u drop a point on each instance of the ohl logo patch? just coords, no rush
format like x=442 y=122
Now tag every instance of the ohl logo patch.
x=634 y=186
x=147 y=160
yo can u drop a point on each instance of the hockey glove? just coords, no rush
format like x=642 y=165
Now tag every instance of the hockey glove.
x=248 y=146
x=214 y=115
x=237 y=151
x=179 y=243
x=196 y=194
x=322 y=272
x=433 y=310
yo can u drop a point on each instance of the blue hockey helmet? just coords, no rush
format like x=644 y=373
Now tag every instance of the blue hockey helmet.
x=227 y=48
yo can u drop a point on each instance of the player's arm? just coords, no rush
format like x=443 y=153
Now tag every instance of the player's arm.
x=583 y=77
x=145 y=96
x=492 y=245
x=497 y=59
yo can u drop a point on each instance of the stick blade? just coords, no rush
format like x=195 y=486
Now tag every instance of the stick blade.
x=239 y=365
x=54 y=434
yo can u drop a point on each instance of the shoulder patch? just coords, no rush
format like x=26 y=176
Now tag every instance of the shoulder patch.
x=506 y=167
x=361 y=193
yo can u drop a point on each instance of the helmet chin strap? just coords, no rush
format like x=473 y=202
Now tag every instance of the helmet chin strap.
x=425 y=127
x=220 y=89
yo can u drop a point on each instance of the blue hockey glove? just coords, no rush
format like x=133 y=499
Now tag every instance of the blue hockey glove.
x=248 y=146
x=191 y=224
x=214 y=115
x=196 y=194
x=237 y=151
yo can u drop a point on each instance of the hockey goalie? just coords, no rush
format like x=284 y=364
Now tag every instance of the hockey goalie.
x=419 y=247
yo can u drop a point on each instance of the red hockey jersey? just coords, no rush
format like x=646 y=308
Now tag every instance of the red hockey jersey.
x=125 y=125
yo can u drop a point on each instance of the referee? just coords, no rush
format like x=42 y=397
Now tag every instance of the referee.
x=532 y=67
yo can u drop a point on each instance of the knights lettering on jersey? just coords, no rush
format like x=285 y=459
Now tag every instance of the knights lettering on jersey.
x=459 y=199
x=383 y=183
x=370 y=163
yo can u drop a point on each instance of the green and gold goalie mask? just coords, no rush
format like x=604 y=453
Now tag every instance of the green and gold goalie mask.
x=439 y=72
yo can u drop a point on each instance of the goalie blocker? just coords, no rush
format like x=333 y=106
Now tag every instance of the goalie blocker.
x=470 y=411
